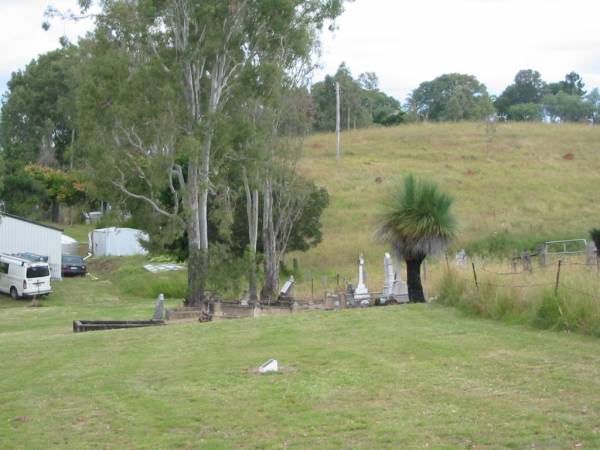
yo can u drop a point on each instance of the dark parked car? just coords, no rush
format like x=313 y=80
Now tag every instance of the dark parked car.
x=73 y=265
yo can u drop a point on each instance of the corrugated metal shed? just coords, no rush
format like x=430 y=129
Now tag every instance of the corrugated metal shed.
x=117 y=242
x=19 y=235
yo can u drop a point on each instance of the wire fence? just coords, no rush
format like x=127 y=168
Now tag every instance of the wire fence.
x=556 y=275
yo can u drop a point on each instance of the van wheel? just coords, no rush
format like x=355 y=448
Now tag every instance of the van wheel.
x=13 y=293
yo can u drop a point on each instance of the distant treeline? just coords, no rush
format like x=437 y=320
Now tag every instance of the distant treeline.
x=453 y=97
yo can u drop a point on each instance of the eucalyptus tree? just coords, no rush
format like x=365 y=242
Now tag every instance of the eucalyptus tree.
x=417 y=222
x=285 y=193
x=270 y=168
x=37 y=122
x=184 y=61
x=451 y=97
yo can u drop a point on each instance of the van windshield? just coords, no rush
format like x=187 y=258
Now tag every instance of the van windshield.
x=38 y=272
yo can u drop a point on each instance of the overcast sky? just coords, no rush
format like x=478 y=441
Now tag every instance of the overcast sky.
x=404 y=42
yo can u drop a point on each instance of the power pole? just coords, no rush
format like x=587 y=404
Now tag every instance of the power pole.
x=337 y=119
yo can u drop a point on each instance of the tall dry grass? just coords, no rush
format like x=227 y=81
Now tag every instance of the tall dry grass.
x=528 y=298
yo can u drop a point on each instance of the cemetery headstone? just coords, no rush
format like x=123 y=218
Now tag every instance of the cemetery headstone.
x=361 y=292
x=271 y=365
x=159 y=308
x=388 y=273
x=591 y=254
x=393 y=287
x=286 y=290
x=461 y=259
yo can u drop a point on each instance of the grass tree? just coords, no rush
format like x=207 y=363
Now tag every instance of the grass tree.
x=417 y=222
x=595 y=235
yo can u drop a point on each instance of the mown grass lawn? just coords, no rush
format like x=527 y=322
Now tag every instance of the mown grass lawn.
x=395 y=377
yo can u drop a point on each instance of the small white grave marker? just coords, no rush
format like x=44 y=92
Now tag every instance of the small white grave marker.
x=270 y=366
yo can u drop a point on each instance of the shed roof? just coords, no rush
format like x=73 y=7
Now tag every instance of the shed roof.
x=12 y=216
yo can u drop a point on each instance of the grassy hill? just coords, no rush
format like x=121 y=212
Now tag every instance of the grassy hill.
x=396 y=377
x=521 y=184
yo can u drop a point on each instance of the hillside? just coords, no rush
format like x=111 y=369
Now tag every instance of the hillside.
x=515 y=186
x=397 y=377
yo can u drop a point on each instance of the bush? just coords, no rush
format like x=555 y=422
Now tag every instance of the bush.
x=502 y=244
x=525 y=112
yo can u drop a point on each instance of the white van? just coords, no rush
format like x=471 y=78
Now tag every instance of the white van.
x=21 y=277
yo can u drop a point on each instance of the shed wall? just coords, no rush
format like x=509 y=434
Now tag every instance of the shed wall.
x=118 y=242
x=19 y=236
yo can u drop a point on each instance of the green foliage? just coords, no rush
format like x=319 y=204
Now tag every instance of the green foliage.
x=307 y=231
x=160 y=100
x=528 y=87
x=524 y=112
x=503 y=243
x=572 y=85
x=417 y=220
x=37 y=127
x=61 y=187
x=593 y=100
x=389 y=117
x=567 y=107
x=226 y=276
x=529 y=98
x=23 y=194
x=451 y=97
x=1 y=173
x=361 y=102
x=38 y=115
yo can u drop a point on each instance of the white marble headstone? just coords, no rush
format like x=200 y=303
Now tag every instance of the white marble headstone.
x=361 y=292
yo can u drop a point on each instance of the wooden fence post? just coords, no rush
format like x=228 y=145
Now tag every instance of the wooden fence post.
x=557 y=278
x=526 y=257
x=475 y=276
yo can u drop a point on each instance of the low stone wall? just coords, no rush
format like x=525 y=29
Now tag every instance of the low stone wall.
x=183 y=313
x=228 y=310
x=80 y=326
x=272 y=310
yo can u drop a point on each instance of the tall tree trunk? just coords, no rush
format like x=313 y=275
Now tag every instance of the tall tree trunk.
x=196 y=274
x=271 y=281
x=199 y=218
x=413 y=279
x=55 y=211
x=72 y=153
x=252 y=213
